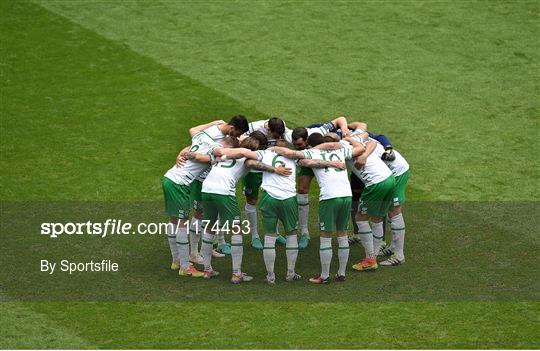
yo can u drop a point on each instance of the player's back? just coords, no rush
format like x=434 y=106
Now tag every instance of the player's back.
x=333 y=182
x=223 y=177
x=373 y=172
x=209 y=135
x=190 y=170
x=398 y=166
x=279 y=187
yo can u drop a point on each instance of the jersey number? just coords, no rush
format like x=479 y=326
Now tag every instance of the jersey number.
x=229 y=164
x=332 y=157
x=276 y=162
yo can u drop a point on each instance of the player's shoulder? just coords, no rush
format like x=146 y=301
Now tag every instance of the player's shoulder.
x=256 y=125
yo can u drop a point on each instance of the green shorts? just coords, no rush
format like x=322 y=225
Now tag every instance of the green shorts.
x=305 y=171
x=176 y=196
x=252 y=182
x=334 y=214
x=399 y=193
x=196 y=195
x=219 y=206
x=377 y=199
x=274 y=210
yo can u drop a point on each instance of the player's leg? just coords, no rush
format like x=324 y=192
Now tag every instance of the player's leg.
x=288 y=215
x=342 y=225
x=229 y=215
x=268 y=207
x=171 y=238
x=356 y=188
x=305 y=175
x=181 y=195
x=182 y=241
x=223 y=248
x=378 y=232
x=387 y=191
x=327 y=223
x=383 y=194
x=368 y=204
x=177 y=204
x=211 y=212
x=251 y=183
x=172 y=209
x=195 y=223
x=397 y=223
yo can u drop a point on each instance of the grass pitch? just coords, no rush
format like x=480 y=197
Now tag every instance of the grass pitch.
x=96 y=101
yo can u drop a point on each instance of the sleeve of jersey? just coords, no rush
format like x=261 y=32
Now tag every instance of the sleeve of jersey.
x=211 y=153
x=307 y=154
x=201 y=137
x=288 y=135
x=347 y=151
x=260 y=155
x=327 y=127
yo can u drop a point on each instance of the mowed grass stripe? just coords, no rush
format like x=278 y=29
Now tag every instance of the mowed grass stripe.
x=87 y=118
x=23 y=328
x=300 y=325
x=129 y=324
x=453 y=85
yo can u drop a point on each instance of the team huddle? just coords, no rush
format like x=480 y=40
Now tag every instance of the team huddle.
x=360 y=175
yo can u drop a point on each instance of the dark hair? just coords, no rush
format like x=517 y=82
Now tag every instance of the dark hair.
x=315 y=139
x=276 y=125
x=239 y=122
x=231 y=141
x=261 y=138
x=299 y=133
x=328 y=139
x=250 y=143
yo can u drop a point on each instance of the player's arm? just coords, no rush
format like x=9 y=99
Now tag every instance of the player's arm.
x=329 y=146
x=292 y=154
x=230 y=153
x=181 y=159
x=358 y=147
x=198 y=157
x=226 y=153
x=322 y=164
x=362 y=152
x=200 y=128
x=358 y=125
x=260 y=166
x=341 y=123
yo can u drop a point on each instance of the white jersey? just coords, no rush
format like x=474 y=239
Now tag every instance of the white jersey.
x=260 y=126
x=191 y=170
x=210 y=135
x=374 y=171
x=223 y=176
x=203 y=175
x=323 y=129
x=398 y=166
x=333 y=182
x=279 y=187
x=357 y=135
